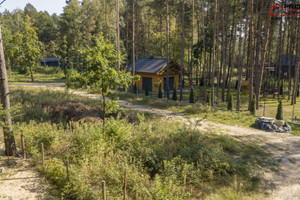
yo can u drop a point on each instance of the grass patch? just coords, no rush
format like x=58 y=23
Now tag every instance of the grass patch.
x=218 y=114
x=42 y=74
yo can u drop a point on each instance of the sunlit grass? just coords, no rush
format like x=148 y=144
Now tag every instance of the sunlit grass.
x=42 y=74
x=220 y=113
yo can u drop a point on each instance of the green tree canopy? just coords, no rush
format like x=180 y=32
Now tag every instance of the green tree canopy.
x=101 y=70
x=30 y=48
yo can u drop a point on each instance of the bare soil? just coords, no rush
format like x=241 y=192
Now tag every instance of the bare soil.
x=19 y=181
x=76 y=111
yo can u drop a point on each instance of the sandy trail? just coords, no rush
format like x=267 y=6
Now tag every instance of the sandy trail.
x=19 y=181
x=283 y=183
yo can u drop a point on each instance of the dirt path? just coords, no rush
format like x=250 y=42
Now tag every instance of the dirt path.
x=285 y=148
x=19 y=181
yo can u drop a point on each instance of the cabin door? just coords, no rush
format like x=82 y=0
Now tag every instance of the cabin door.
x=147 y=82
x=171 y=83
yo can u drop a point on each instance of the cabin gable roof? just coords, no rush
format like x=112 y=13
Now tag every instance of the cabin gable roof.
x=152 y=65
x=148 y=65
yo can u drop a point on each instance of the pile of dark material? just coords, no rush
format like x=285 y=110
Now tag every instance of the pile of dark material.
x=77 y=111
x=272 y=125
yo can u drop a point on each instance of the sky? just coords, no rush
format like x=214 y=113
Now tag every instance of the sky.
x=52 y=6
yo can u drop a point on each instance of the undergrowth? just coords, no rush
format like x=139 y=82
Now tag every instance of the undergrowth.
x=162 y=159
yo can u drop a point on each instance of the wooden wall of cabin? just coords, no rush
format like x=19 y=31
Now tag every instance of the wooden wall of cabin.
x=156 y=80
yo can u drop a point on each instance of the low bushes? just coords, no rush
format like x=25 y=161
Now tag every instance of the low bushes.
x=160 y=162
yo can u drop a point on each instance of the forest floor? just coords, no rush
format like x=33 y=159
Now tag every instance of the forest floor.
x=18 y=180
x=281 y=181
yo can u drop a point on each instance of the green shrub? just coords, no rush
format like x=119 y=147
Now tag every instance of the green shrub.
x=160 y=95
x=159 y=162
x=230 y=102
x=174 y=96
x=55 y=172
x=35 y=134
x=166 y=188
x=279 y=114
x=253 y=105
x=192 y=99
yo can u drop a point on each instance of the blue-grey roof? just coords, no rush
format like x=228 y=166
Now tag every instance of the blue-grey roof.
x=148 y=65
x=50 y=59
x=286 y=60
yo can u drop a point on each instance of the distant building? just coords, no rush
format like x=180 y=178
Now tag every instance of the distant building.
x=285 y=64
x=51 y=61
x=153 y=72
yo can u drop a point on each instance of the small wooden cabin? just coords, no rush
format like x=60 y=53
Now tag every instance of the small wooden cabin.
x=286 y=63
x=153 y=73
x=285 y=66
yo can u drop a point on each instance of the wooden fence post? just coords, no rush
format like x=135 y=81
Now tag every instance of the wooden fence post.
x=23 y=146
x=124 y=186
x=43 y=153
x=103 y=190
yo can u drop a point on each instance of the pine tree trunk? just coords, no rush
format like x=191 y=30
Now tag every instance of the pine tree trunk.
x=182 y=53
x=291 y=50
x=276 y=69
x=167 y=37
x=127 y=42
x=232 y=62
x=263 y=57
x=148 y=46
x=218 y=73
x=251 y=55
x=204 y=67
x=280 y=55
x=257 y=50
x=198 y=72
x=118 y=33
x=242 y=63
x=161 y=33
x=224 y=50
x=219 y=67
x=133 y=38
x=9 y=140
x=192 y=44
x=297 y=68
x=213 y=52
